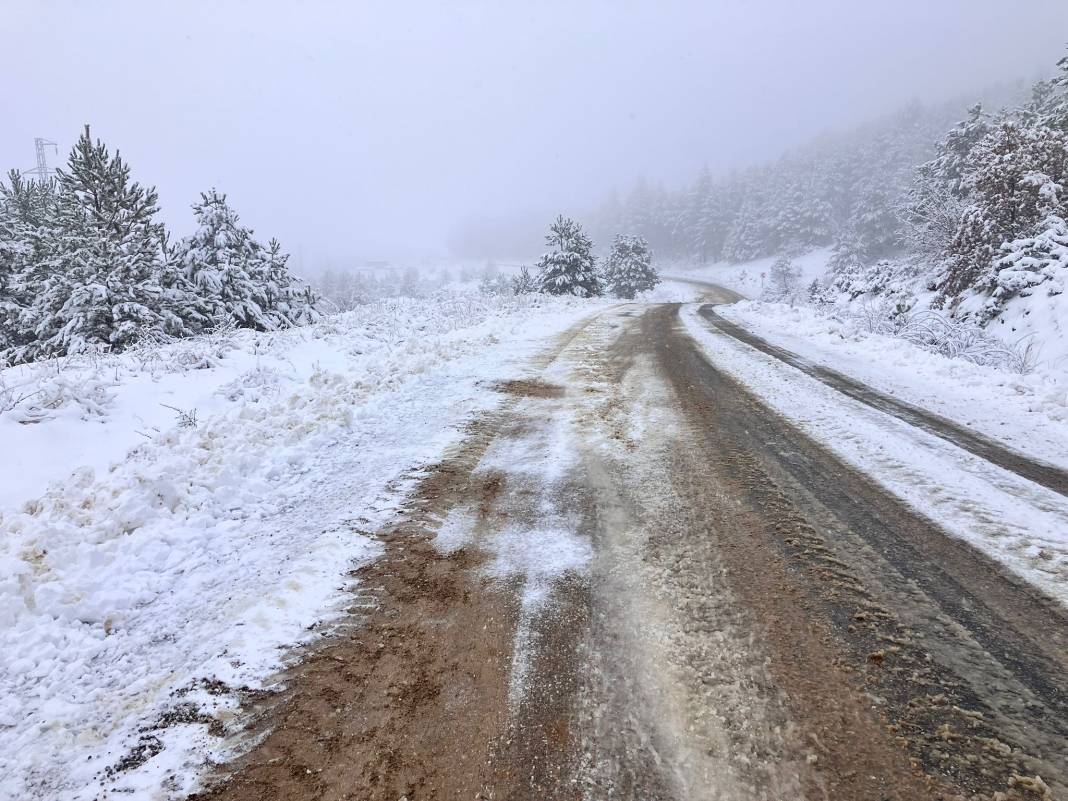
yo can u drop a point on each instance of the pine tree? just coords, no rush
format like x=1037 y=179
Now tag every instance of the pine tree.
x=119 y=250
x=524 y=283
x=238 y=280
x=26 y=232
x=226 y=267
x=783 y=279
x=96 y=271
x=1029 y=262
x=628 y=270
x=847 y=262
x=290 y=300
x=1015 y=180
x=569 y=267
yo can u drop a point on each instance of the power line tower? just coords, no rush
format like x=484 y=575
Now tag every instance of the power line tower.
x=42 y=171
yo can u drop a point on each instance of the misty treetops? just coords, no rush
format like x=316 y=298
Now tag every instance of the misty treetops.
x=570 y=268
x=85 y=265
x=980 y=210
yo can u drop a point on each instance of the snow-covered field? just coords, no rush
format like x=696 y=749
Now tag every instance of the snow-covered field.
x=174 y=518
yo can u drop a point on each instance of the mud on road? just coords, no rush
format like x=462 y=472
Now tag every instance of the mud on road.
x=634 y=581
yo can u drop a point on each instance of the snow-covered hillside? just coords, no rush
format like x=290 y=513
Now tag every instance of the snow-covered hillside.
x=176 y=515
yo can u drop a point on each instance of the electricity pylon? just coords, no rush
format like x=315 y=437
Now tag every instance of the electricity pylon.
x=42 y=171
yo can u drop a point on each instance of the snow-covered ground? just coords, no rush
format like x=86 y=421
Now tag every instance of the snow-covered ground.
x=1027 y=412
x=155 y=559
x=1013 y=520
x=749 y=278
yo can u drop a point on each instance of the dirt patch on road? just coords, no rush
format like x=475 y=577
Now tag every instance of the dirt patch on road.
x=413 y=697
x=529 y=388
x=409 y=702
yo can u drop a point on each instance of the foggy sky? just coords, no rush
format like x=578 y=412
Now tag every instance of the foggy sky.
x=358 y=130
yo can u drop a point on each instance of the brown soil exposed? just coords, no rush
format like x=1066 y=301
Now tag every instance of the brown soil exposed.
x=410 y=700
x=530 y=388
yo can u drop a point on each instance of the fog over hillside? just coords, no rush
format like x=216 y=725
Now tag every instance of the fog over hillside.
x=381 y=130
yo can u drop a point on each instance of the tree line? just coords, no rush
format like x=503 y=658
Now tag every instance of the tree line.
x=841 y=188
x=990 y=208
x=973 y=208
x=85 y=264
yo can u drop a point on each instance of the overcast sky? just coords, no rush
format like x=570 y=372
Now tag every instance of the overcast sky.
x=358 y=130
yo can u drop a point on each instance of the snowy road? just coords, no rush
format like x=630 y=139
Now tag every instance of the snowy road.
x=671 y=566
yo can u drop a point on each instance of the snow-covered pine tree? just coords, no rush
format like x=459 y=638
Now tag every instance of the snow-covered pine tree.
x=1030 y=262
x=1014 y=182
x=116 y=248
x=745 y=238
x=524 y=283
x=628 y=270
x=27 y=216
x=783 y=281
x=289 y=299
x=96 y=271
x=569 y=267
x=847 y=262
x=238 y=280
x=226 y=267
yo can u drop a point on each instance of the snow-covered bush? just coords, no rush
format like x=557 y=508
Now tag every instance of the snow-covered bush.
x=1029 y=262
x=524 y=283
x=937 y=332
x=160 y=355
x=84 y=387
x=495 y=285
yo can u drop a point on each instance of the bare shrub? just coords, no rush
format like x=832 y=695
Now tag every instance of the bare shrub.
x=954 y=338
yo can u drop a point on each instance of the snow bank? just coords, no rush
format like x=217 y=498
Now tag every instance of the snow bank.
x=1029 y=413
x=1007 y=517
x=193 y=543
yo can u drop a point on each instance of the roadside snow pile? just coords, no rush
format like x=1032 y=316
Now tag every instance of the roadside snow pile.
x=140 y=594
x=972 y=380
x=1028 y=300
